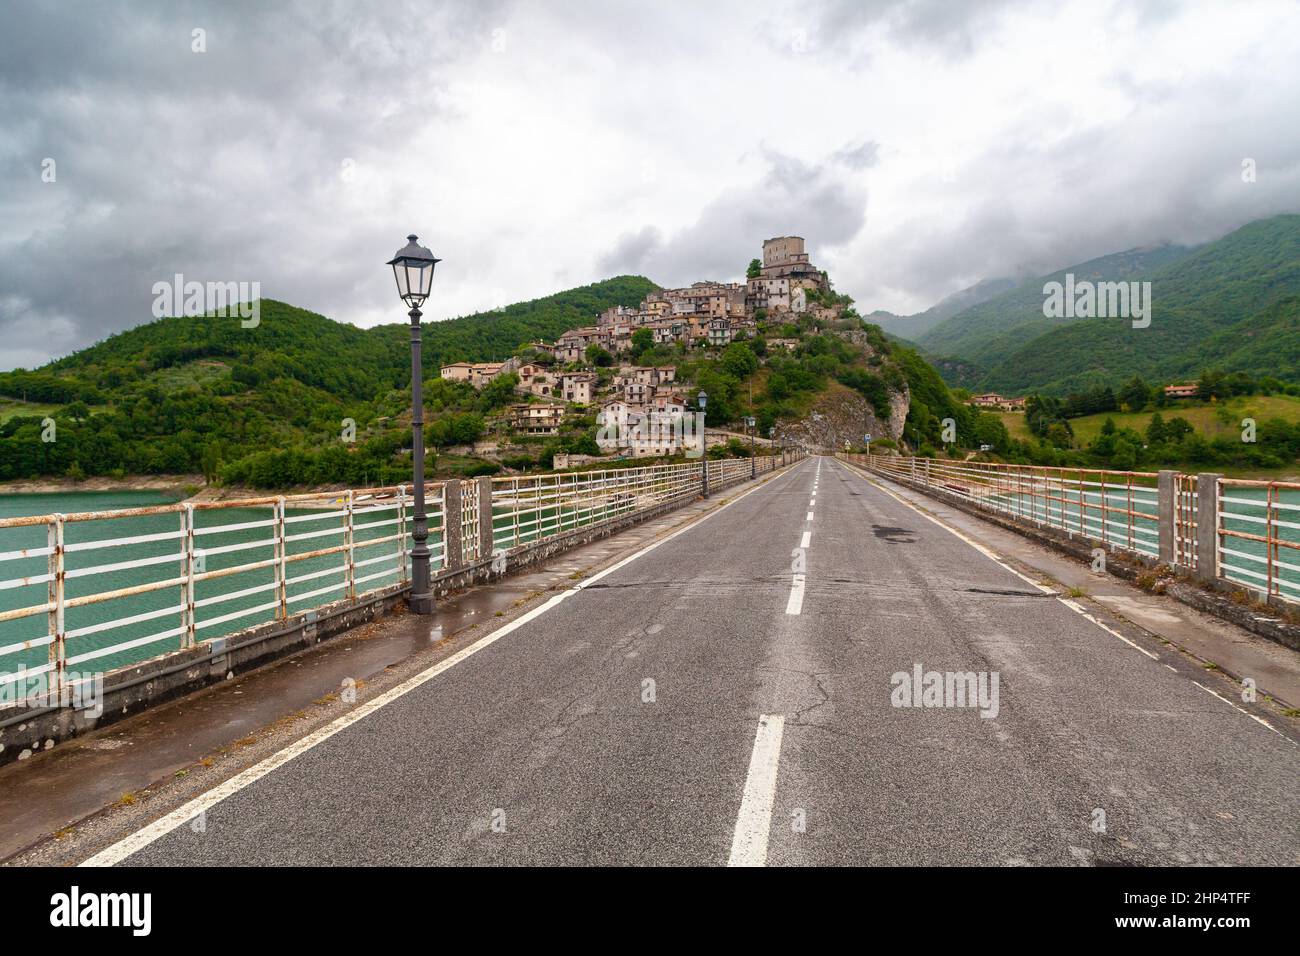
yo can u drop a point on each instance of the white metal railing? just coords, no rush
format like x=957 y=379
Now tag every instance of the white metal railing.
x=117 y=588
x=122 y=587
x=1246 y=532
x=1119 y=508
x=1258 y=535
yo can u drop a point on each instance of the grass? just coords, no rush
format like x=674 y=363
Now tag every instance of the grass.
x=12 y=407
x=1205 y=418
x=1211 y=421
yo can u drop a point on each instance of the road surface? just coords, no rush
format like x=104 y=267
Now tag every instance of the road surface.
x=727 y=697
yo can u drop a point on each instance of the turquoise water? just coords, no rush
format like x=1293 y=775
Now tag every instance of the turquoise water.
x=142 y=616
x=141 y=626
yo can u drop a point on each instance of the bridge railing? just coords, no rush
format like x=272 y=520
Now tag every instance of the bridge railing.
x=89 y=593
x=1215 y=528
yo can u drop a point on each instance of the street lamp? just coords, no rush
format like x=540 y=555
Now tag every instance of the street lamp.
x=413 y=269
x=753 y=463
x=702 y=400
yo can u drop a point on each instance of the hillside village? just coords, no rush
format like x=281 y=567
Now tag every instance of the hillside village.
x=642 y=408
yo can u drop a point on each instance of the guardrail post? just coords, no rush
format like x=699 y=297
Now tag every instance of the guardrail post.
x=1165 y=498
x=485 y=530
x=281 y=560
x=58 y=647
x=453 y=553
x=1207 y=527
x=188 y=639
x=350 y=554
x=927 y=472
x=401 y=533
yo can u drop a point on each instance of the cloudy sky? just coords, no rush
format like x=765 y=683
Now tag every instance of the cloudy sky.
x=919 y=145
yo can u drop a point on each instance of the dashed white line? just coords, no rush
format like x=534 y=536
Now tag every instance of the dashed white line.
x=809 y=516
x=795 y=604
x=749 y=844
x=806 y=539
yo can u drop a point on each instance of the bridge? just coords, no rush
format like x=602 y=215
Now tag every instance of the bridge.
x=830 y=660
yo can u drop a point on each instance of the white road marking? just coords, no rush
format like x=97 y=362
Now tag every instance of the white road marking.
x=809 y=516
x=1070 y=604
x=749 y=844
x=806 y=539
x=992 y=556
x=1080 y=609
x=183 y=814
x=1258 y=720
x=795 y=604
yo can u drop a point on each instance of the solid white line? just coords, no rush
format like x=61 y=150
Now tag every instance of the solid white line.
x=749 y=845
x=795 y=604
x=137 y=841
x=992 y=556
x=1258 y=720
x=1079 y=608
x=806 y=539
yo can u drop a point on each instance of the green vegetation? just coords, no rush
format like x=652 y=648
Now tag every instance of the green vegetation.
x=1233 y=303
x=269 y=406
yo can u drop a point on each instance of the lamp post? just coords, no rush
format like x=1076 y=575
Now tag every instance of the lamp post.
x=413 y=268
x=753 y=462
x=702 y=400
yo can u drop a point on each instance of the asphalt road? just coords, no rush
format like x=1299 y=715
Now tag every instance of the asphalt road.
x=679 y=711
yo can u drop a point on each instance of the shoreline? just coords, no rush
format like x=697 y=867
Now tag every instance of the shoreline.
x=186 y=488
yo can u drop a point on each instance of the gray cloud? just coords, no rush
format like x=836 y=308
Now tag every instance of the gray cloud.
x=821 y=202
x=536 y=150
x=220 y=165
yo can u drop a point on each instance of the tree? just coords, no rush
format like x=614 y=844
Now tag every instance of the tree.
x=739 y=360
x=598 y=356
x=210 y=462
x=643 y=340
x=1156 y=430
x=755 y=269
x=1059 y=435
x=1136 y=394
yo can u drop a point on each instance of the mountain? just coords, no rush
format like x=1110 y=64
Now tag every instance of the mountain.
x=980 y=336
x=181 y=395
x=1221 y=306
x=911 y=327
x=1214 y=305
x=337 y=357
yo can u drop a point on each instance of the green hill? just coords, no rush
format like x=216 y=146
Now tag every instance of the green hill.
x=978 y=338
x=187 y=394
x=912 y=327
x=1223 y=304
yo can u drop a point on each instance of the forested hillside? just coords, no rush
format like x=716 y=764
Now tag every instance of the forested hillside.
x=191 y=395
x=1221 y=305
x=980 y=337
